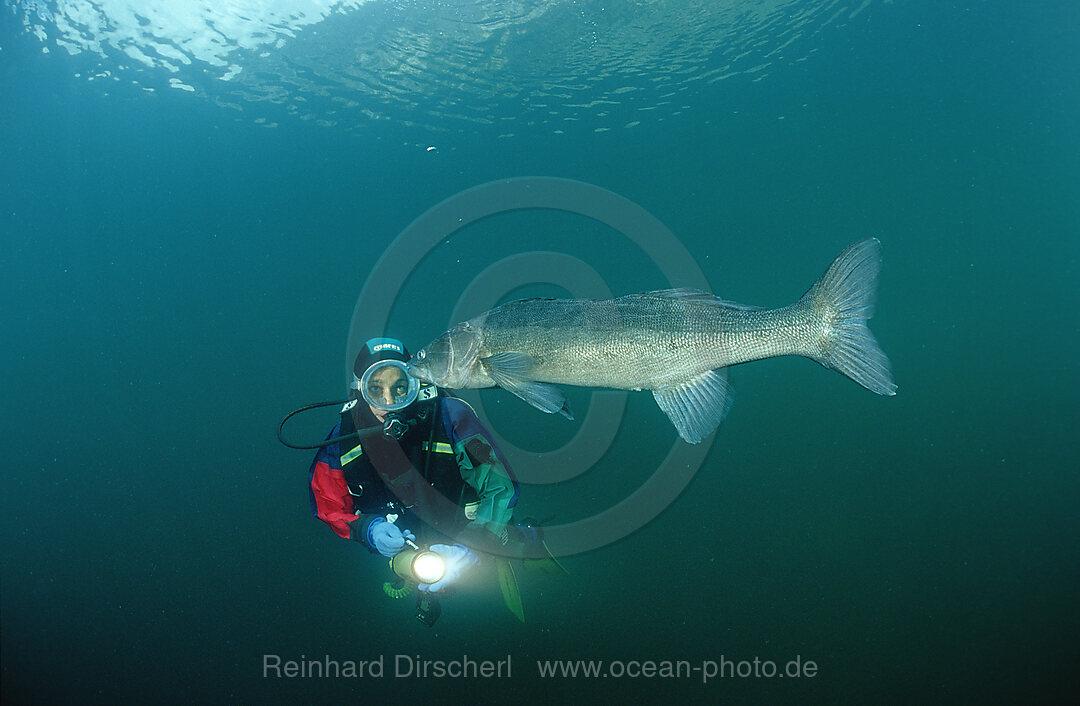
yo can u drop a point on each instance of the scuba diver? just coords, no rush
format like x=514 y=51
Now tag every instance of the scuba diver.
x=411 y=474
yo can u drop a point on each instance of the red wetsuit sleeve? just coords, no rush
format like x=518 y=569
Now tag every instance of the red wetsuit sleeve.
x=333 y=503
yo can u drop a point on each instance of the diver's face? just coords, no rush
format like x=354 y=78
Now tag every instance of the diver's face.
x=386 y=386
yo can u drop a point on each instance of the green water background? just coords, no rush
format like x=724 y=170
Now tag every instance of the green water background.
x=174 y=281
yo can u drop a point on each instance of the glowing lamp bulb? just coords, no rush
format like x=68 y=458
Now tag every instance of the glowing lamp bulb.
x=428 y=567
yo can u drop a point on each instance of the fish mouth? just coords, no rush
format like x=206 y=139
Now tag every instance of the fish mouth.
x=417 y=373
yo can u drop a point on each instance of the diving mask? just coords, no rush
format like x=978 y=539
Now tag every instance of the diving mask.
x=387 y=385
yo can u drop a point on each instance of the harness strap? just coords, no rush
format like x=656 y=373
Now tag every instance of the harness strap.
x=441 y=447
x=352 y=454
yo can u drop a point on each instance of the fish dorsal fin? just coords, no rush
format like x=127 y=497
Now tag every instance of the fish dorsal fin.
x=694 y=296
x=511 y=371
x=696 y=407
x=682 y=293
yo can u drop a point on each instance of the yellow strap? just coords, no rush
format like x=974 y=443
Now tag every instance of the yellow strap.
x=352 y=455
x=441 y=447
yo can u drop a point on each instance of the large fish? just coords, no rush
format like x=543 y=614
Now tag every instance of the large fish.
x=675 y=342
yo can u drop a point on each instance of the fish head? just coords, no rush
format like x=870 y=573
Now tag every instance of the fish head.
x=452 y=360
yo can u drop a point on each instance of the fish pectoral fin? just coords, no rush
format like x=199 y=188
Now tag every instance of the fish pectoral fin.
x=510 y=363
x=546 y=398
x=697 y=406
x=510 y=371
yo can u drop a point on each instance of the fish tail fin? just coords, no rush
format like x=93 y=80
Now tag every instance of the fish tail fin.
x=845 y=296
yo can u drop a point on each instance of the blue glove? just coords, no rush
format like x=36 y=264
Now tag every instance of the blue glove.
x=458 y=560
x=386 y=537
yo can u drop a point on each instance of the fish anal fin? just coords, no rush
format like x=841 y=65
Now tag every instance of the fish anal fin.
x=697 y=406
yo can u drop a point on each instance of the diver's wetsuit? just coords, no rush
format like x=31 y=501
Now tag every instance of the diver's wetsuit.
x=468 y=481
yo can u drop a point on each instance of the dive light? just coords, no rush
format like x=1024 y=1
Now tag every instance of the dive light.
x=419 y=565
